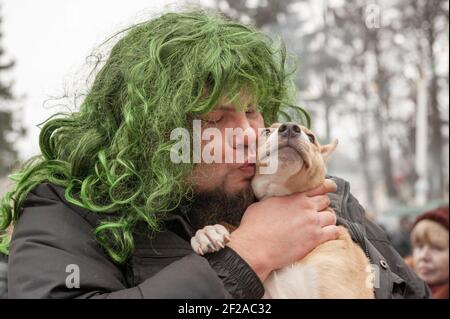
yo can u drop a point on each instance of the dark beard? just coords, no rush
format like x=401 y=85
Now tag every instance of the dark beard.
x=214 y=207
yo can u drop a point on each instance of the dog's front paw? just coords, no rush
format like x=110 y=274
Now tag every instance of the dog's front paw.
x=210 y=239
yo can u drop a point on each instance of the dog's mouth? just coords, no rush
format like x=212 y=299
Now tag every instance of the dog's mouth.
x=297 y=149
x=295 y=145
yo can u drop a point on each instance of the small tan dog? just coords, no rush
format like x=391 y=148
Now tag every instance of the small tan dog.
x=335 y=269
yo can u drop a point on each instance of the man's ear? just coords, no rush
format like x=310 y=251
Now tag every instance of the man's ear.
x=326 y=150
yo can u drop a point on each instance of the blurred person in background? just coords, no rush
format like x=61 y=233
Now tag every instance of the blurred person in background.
x=429 y=238
x=401 y=238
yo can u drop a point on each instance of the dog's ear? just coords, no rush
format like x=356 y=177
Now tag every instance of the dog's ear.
x=326 y=150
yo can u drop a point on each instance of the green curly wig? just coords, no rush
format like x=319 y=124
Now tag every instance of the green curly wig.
x=113 y=155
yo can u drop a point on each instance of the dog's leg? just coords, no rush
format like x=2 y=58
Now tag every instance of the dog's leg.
x=210 y=239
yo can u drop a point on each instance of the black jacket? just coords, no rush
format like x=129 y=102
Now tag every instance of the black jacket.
x=3 y=276
x=53 y=237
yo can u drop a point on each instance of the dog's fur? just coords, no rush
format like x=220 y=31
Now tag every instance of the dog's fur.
x=334 y=269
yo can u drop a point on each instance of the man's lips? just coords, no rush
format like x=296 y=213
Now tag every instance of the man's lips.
x=248 y=168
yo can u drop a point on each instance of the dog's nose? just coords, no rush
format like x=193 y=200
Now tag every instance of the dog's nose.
x=289 y=130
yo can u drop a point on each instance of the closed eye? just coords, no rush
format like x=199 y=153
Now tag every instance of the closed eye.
x=214 y=120
x=214 y=117
x=251 y=111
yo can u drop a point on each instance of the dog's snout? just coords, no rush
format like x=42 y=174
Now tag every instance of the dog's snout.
x=289 y=130
x=295 y=128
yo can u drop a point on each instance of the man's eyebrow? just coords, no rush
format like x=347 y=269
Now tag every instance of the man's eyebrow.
x=227 y=107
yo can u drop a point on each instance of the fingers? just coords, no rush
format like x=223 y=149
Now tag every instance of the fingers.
x=328 y=186
x=330 y=232
x=321 y=202
x=326 y=218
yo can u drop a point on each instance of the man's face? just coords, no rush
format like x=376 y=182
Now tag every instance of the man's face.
x=222 y=189
x=230 y=178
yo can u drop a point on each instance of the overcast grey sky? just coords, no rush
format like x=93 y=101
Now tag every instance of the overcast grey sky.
x=50 y=39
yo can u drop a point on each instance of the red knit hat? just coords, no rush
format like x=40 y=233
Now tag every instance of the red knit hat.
x=438 y=215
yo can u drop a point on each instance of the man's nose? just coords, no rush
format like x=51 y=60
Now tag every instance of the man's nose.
x=249 y=133
x=289 y=130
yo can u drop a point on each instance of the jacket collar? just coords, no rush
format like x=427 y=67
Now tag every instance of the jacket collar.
x=178 y=221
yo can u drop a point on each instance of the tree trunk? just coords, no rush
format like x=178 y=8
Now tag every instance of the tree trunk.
x=384 y=99
x=365 y=160
x=436 y=165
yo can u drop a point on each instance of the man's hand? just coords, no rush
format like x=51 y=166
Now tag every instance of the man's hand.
x=278 y=231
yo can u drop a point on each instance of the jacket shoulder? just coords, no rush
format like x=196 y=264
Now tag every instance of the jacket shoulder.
x=49 y=236
x=47 y=194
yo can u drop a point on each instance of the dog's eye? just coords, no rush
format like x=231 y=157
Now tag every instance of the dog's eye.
x=311 y=137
